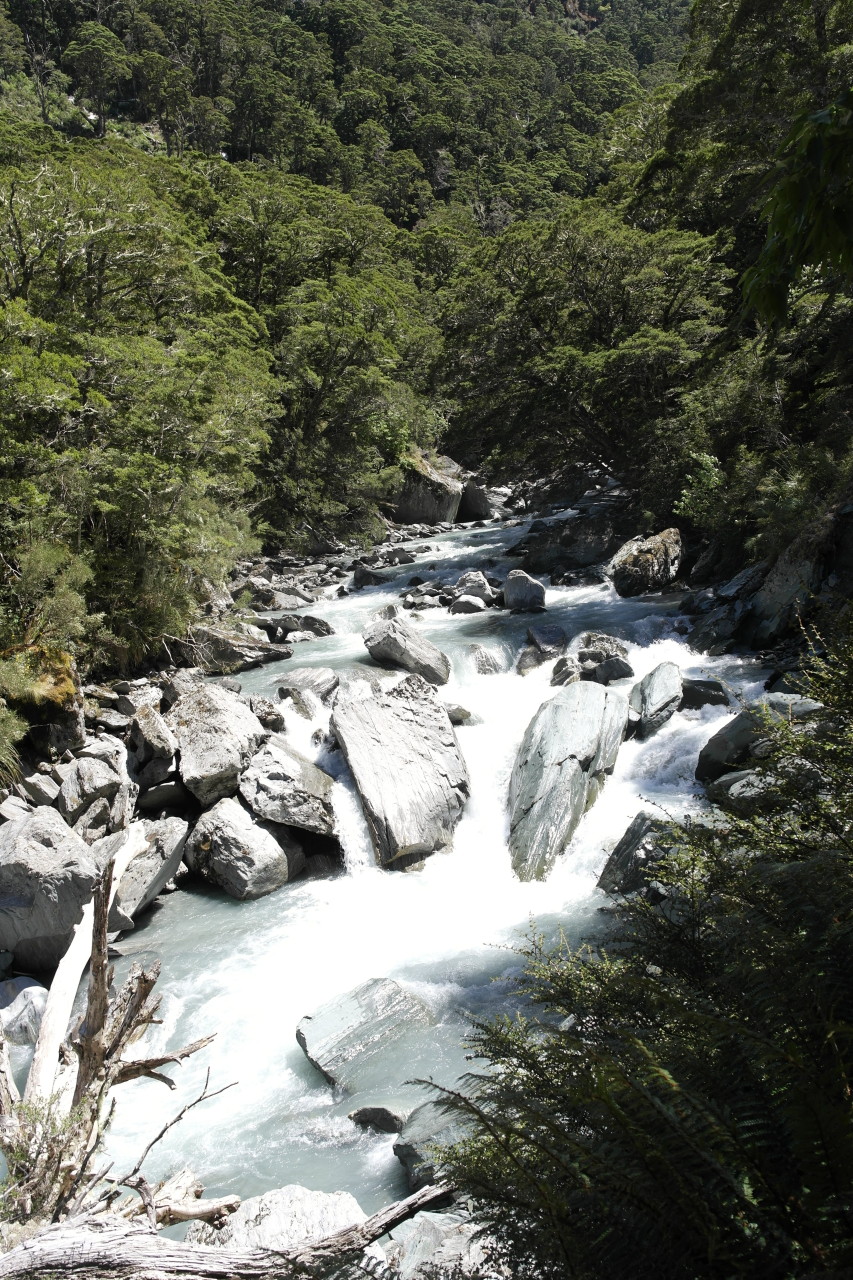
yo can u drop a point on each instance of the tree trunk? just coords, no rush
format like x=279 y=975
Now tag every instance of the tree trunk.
x=113 y=1249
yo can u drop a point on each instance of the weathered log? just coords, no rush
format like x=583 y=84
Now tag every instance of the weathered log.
x=106 y=1249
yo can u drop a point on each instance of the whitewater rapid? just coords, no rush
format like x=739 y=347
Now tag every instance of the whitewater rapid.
x=248 y=971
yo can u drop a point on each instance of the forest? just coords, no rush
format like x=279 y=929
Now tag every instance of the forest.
x=254 y=254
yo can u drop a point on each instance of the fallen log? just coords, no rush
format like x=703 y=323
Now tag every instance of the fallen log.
x=111 y=1248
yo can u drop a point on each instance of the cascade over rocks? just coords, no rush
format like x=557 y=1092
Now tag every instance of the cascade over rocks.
x=646 y=564
x=347 y=1038
x=407 y=766
x=392 y=642
x=655 y=698
x=246 y=858
x=47 y=875
x=568 y=747
x=280 y=785
x=217 y=735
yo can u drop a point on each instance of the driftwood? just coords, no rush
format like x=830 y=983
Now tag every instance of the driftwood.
x=110 y=1249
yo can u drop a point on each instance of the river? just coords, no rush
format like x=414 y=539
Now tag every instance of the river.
x=248 y=971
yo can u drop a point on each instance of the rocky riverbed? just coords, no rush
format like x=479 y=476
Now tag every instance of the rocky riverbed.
x=417 y=753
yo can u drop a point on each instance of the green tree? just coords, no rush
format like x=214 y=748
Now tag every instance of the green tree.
x=100 y=62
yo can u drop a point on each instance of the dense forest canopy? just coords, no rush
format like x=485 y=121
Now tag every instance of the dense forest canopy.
x=254 y=252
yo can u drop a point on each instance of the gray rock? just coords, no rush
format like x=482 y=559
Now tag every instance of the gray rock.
x=13 y=807
x=217 y=735
x=431 y=493
x=467 y=604
x=427 y=1127
x=460 y=715
x=346 y=1036
x=612 y=669
x=281 y=1220
x=523 y=593
x=486 y=661
x=385 y=1115
x=407 y=766
x=655 y=698
x=47 y=875
x=597 y=646
x=321 y=681
x=145 y=695
x=246 y=858
x=305 y=622
x=280 y=785
x=239 y=648
x=97 y=796
x=183 y=680
x=432 y=1246
x=394 y=643
x=270 y=716
x=646 y=564
x=363 y=576
x=744 y=792
x=529 y=658
x=39 y=788
x=569 y=745
x=22 y=1003
x=627 y=868
x=735 y=743
x=474 y=583
x=149 y=872
x=566 y=670
x=151 y=748
x=703 y=693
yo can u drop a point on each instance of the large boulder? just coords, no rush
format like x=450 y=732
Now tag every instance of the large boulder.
x=745 y=792
x=350 y=1035
x=246 y=858
x=281 y=1220
x=22 y=1005
x=628 y=867
x=47 y=875
x=217 y=735
x=573 y=544
x=733 y=746
x=646 y=564
x=280 y=785
x=569 y=746
x=474 y=583
x=431 y=493
x=392 y=642
x=97 y=796
x=407 y=766
x=523 y=593
x=655 y=698
x=479 y=502
x=239 y=648
x=148 y=872
x=152 y=748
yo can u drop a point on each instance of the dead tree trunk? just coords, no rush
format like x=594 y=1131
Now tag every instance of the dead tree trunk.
x=111 y=1249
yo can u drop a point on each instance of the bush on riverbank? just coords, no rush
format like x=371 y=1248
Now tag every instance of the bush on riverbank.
x=680 y=1104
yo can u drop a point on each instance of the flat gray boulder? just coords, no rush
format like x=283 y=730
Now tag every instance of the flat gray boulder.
x=349 y=1035
x=655 y=698
x=47 y=875
x=568 y=748
x=734 y=745
x=280 y=785
x=149 y=872
x=97 y=796
x=217 y=735
x=523 y=593
x=152 y=748
x=392 y=642
x=281 y=1219
x=407 y=767
x=244 y=857
x=239 y=648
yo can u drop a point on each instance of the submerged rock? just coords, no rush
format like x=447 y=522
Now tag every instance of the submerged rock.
x=393 y=642
x=246 y=858
x=344 y=1036
x=568 y=747
x=703 y=693
x=407 y=766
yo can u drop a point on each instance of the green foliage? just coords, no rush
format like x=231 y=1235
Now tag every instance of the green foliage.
x=676 y=1101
